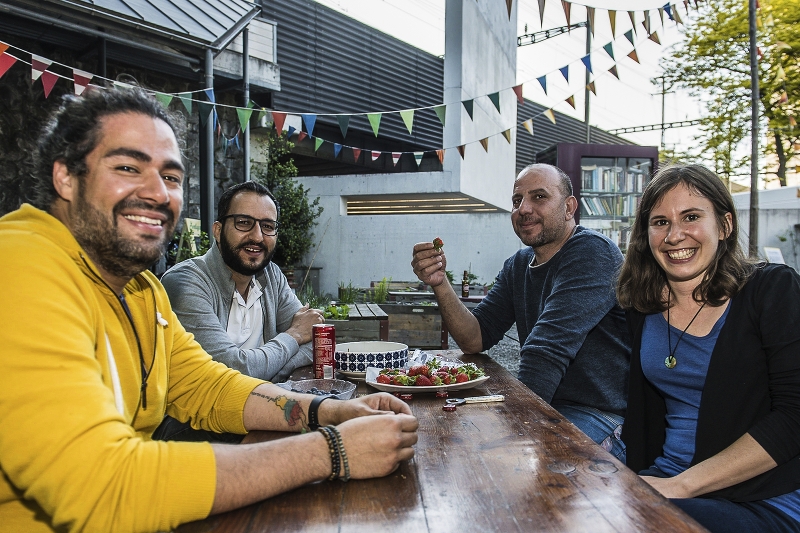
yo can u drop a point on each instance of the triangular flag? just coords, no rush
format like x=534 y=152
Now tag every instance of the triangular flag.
x=210 y=95
x=81 y=80
x=507 y=135
x=541 y=12
x=418 y=157
x=566 y=5
x=290 y=131
x=356 y=154
x=3 y=48
x=613 y=70
x=792 y=121
x=565 y=72
x=440 y=155
x=468 y=106
x=654 y=37
x=344 y=122
x=677 y=15
x=375 y=121
x=6 y=61
x=317 y=143
x=661 y=15
x=587 y=62
x=164 y=99
x=460 y=150
x=396 y=157
x=612 y=18
x=668 y=9
x=375 y=155
x=244 y=115
x=632 y=15
x=571 y=101
x=441 y=112
x=310 y=121
x=591 y=87
x=590 y=19
x=633 y=55
x=629 y=36
x=518 y=91
x=528 y=124
x=784 y=99
x=609 y=48
x=485 y=143
x=770 y=22
x=336 y=149
x=38 y=65
x=408 y=119
x=186 y=98
x=646 y=21
x=49 y=79
x=301 y=135
x=278 y=118
x=509 y=3
x=495 y=98
x=552 y=116
x=543 y=82
x=204 y=108
x=781 y=75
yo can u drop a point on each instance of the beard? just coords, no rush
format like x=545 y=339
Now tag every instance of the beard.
x=234 y=261
x=549 y=233
x=118 y=255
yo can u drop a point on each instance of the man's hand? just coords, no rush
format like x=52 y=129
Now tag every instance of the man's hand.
x=429 y=265
x=669 y=487
x=375 y=445
x=302 y=322
x=336 y=412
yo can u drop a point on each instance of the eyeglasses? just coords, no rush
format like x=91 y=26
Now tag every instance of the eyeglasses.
x=245 y=223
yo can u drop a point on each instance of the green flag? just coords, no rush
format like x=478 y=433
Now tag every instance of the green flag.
x=408 y=118
x=375 y=121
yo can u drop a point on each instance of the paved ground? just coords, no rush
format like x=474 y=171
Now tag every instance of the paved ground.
x=506 y=352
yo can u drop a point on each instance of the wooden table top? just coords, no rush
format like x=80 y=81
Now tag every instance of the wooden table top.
x=510 y=466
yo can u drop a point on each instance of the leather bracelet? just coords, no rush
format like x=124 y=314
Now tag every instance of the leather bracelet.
x=313 y=412
x=342 y=454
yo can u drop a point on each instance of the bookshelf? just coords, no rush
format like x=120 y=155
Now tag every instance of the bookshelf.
x=608 y=181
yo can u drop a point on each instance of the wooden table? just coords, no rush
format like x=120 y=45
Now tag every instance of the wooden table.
x=510 y=466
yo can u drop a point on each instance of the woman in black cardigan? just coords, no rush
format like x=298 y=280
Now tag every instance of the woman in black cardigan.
x=713 y=419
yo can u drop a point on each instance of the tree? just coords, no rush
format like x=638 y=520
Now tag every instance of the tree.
x=713 y=63
x=297 y=215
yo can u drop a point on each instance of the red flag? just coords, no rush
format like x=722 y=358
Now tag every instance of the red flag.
x=518 y=91
x=356 y=153
x=301 y=135
x=396 y=157
x=279 y=118
x=81 y=80
x=440 y=153
x=375 y=155
x=48 y=81
x=5 y=63
x=38 y=65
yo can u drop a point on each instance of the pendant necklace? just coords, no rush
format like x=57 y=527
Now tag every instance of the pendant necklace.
x=670 y=362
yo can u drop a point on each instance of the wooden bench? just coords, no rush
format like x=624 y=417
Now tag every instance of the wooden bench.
x=366 y=322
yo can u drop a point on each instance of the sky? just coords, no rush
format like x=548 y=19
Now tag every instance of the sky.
x=631 y=101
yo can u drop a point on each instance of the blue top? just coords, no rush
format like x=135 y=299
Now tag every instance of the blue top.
x=682 y=389
x=575 y=345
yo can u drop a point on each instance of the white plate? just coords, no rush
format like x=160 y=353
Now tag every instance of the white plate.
x=401 y=388
x=353 y=375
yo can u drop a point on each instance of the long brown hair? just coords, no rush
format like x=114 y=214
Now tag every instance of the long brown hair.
x=641 y=280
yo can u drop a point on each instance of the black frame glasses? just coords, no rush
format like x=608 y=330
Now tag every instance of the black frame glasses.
x=245 y=223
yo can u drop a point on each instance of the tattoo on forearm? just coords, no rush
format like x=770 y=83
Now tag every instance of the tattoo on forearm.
x=292 y=412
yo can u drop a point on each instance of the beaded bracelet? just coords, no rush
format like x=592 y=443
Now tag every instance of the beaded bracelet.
x=330 y=437
x=342 y=453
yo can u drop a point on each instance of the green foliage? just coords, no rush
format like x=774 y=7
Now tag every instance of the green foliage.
x=713 y=64
x=298 y=215
x=180 y=248
x=347 y=293
x=336 y=312
x=380 y=293
x=449 y=274
x=313 y=300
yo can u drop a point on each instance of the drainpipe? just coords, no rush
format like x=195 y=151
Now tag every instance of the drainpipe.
x=207 y=156
x=246 y=81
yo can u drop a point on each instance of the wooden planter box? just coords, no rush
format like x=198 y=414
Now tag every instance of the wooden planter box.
x=367 y=322
x=418 y=326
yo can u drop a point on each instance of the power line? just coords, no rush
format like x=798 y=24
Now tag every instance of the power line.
x=651 y=127
x=539 y=36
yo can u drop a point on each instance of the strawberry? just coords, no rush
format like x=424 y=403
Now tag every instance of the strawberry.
x=437 y=244
x=444 y=376
x=444 y=369
x=462 y=377
x=419 y=370
x=423 y=381
x=383 y=378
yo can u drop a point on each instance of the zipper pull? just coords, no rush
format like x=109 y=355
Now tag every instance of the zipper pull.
x=144 y=395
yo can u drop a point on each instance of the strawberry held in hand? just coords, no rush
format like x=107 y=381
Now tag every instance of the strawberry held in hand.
x=437 y=244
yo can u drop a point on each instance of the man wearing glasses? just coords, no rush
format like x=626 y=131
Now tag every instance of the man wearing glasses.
x=235 y=300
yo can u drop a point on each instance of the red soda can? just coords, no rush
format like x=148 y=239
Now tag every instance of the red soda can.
x=324 y=344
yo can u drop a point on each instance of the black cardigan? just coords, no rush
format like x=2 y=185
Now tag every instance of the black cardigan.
x=752 y=386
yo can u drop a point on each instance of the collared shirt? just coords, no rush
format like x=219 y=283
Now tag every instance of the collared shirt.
x=246 y=320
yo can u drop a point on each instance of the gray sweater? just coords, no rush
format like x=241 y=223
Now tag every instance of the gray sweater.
x=574 y=343
x=201 y=291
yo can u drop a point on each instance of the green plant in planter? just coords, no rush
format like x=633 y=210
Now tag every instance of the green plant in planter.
x=381 y=292
x=298 y=214
x=336 y=312
x=180 y=248
x=347 y=293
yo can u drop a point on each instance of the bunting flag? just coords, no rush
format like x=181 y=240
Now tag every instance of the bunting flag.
x=612 y=18
x=587 y=62
x=204 y=108
x=344 y=122
x=186 y=99
x=278 y=118
x=485 y=143
x=81 y=80
x=317 y=143
x=629 y=36
x=518 y=91
x=6 y=61
x=38 y=66
x=164 y=99
x=668 y=9
x=609 y=48
x=552 y=116
x=49 y=80
x=571 y=101
x=418 y=157
x=301 y=135
x=528 y=125
x=541 y=12
x=633 y=55
x=356 y=154
x=784 y=99
x=440 y=155
x=396 y=157
x=211 y=98
x=613 y=70
x=567 y=6
x=654 y=37
x=244 y=114
x=632 y=15
x=375 y=121
x=441 y=112
x=375 y=155
x=468 y=106
x=661 y=15
x=310 y=121
x=677 y=16
x=591 y=87
x=495 y=98
x=3 y=48
x=565 y=72
x=460 y=149
x=781 y=75
x=507 y=135
x=336 y=149
x=408 y=119
x=543 y=82
x=646 y=21
x=686 y=6
x=590 y=18
x=509 y=3
x=290 y=131
x=792 y=121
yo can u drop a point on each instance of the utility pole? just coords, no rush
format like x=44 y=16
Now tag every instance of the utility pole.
x=753 y=248
x=663 y=94
x=586 y=90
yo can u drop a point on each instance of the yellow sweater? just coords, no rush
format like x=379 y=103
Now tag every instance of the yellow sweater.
x=75 y=448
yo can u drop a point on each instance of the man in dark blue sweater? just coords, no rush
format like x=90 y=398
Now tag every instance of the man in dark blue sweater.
x=559 y=289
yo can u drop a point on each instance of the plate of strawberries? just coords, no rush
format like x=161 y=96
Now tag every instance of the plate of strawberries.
x=433 y=375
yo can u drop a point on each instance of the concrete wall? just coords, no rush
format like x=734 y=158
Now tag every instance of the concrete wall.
x=779 y=216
